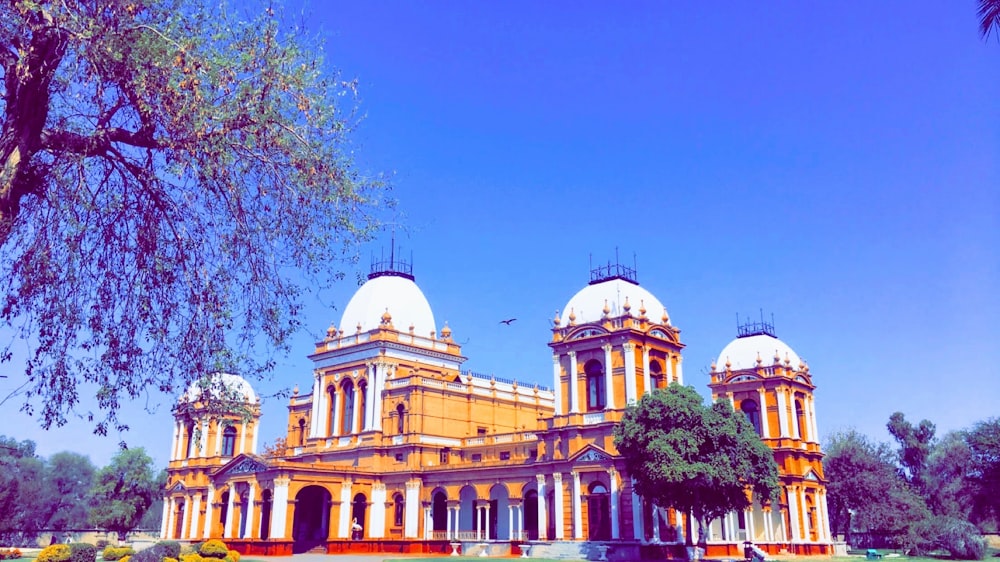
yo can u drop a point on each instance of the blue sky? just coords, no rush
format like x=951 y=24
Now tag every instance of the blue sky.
x=833 y=164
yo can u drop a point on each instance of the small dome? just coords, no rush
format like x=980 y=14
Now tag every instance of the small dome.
x=589 y=303
x=747 y=352
x=396 y=294
x=221 y=382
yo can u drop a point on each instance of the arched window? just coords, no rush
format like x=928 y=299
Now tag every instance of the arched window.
x=224 y=511
x=752 y=413
x=189 y=430
x=400 y=410
x=347 y=420
x=302 y=432
x=800 y=419
x=656 y=374
x=331 y=392
x=228 y=441
x=595 y=384
x=398 y=507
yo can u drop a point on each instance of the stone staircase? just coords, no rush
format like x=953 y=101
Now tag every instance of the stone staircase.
x=569 y=550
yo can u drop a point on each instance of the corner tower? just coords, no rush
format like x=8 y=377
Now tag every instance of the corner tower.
x=762 y=376
x=614 y=343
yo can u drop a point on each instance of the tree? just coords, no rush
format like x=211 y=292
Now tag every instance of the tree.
x=67 y=481
x=984 y=443
x=915 y=444
x=172 y=176
x=20 y=484
x=123 y=491
x=989 y=17
x=947 y=487
x=697 y=459
x=865 y=490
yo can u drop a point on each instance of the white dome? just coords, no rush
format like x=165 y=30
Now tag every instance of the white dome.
x=220 y=381
x=399 y=295
x=742 y=353
x=588 y=304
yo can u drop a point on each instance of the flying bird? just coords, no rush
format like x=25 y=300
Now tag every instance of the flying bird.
x=508 y=321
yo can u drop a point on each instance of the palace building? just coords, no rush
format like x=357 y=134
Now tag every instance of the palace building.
x=395 y=448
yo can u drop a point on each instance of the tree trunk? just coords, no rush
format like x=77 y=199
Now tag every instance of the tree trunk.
x=27 y=77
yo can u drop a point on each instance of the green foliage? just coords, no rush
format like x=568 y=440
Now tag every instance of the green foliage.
x=213 y=549
x=191 y=557
x=170 y=549
x=21 y=477
x=151 y=554
x=984 y=469
x=915 y=443
x=173 y=174
x=694 y=458
x=82 y=552
x=959 y=537
x=123 y=491
x=116 y=552
x=54 y=553
x=947 y=485
x=68 y=478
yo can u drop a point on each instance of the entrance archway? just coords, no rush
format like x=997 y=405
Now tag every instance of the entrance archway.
x=311 y=525
x=439 y=514
x=598 y=513
x=531 y=515
x=358 y=508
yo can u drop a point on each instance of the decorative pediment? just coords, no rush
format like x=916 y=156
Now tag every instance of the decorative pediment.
x=593 y=455
x=588 y=332
x=810 y=477
x=177 y=487
x=744 y=378
x=243 y=464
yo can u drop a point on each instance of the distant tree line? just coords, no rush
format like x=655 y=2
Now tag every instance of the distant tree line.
x=66 y=492
x=926 y=493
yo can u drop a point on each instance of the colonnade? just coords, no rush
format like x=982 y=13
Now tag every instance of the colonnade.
x=674 y=374
x=191 y=438
x=327 y=416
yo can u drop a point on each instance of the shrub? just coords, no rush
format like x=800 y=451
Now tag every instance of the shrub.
x=170 y=549
x=82 y=552
x=192 y=557
x=10 y=554
x=151 y=554
x=233 y=555
x=125 y=558
x=117 y=553
x=169 y=559
x=214 y=549
x=101 y=543
x=54 y=553
x=962 y=539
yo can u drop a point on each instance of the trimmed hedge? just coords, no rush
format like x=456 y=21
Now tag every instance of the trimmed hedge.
x=214 y=549
x=117 y=553
x=54 y=553
x=193 y=557
x=82 y=552
x=170 y=549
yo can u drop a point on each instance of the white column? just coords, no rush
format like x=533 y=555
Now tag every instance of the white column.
x=164 y=517
x=449 y=534
x=793 y=513
x=806 y=527
x=656 y=524
x=243 y=438
x=314 y=427
x=680 y=369
x=428 y=523
x=630 y=387
x=795 y=418
x=825 y=511
x=218 y=438
x=248 y=530
x=782 y=412
x=209 y=500
x=609 y=385
x=334 y=420
x=577 y=508
x=345 y=509
x=732 y=400
x=574 y=398
x=751 y=528
x=253 y=442
x=646 y=381
x=175 y=450
x=769 y=525
x=231 y=506
x=376 y=517
x=557 y=384
x=764 y=432
x=510 y=524
x=380 y=377
x=638 y=522
x=195 y=509
x=356 y=422
x=411 y=510
x=543 y=524
x=557 y=500
x=486 y=515
x=616 y=532
x=279 y=508
x=171 y=514
x=812 y=419
x=203 y=439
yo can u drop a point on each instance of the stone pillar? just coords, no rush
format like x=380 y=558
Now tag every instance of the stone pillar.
x=557 y=384
x=751 y=528
x=543 y=523
x=574 y=391
x=647 y=382
x=279 y=508
x=557 y=500
x=782 y=413
x=250 y=530
x=656 y=524
x=203 y=439
x=510 y=523
x=163 y=518
x=369 y=413
x=806 y=526
x=764 y=430
x=314 y=426
x=680 y=369
x=577 y=508
x=334 y=419
x=486 y=516
x=376 y=517
x=794 y=418
x=616 y=532
x=628 y=349
x=345 y=508
x=793 y=513
x=195 y=505
x=412 y=510
x=638 y=521
x=209 y=502
x=812 y=419
x=609 y=385
x=230 y=508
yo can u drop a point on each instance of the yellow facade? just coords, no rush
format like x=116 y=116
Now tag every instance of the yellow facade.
x=396 y=447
